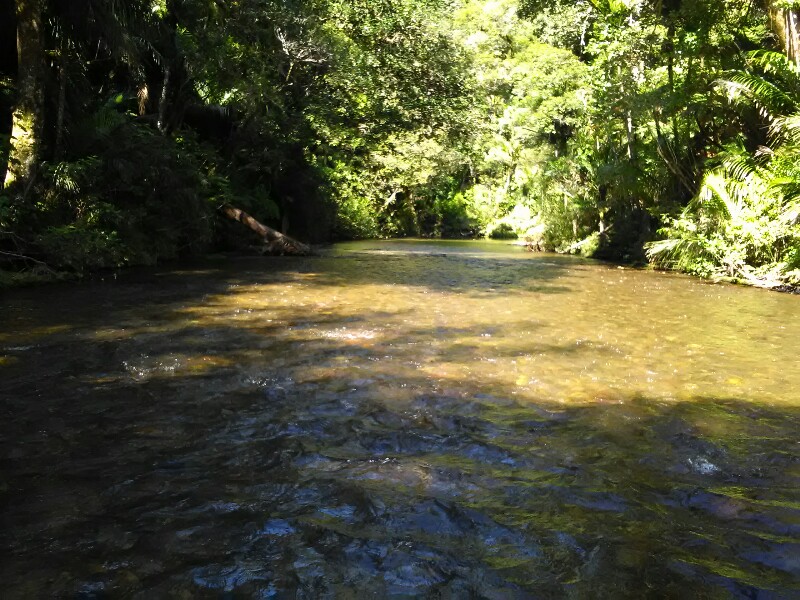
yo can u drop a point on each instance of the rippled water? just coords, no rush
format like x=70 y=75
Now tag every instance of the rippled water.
x=449 y=420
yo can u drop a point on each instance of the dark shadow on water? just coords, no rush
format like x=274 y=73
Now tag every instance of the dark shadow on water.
x=186 y=458
x=105 y=302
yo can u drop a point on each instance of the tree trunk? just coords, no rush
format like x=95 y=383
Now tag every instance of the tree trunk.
x=670 y=49
x=162 y=105
x=276 y=242
x=630 y=133
x=793 y=23
x=62 y=100
x=28 y=125
x=786 y=25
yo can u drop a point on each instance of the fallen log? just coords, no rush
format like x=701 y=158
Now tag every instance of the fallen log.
x=274 y=241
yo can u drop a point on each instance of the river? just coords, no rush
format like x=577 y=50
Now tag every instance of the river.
x=401 y=419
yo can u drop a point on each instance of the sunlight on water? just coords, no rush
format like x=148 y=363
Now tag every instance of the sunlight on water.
x=402 y=419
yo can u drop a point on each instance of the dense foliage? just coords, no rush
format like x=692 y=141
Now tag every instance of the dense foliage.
x=630 y=129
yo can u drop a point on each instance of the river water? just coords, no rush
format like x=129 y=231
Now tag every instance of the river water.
x=401 y=419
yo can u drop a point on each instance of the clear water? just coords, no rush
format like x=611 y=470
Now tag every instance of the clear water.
x=402 y=419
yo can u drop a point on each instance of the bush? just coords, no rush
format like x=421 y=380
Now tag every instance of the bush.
x=81 y=248
x=138 y=198
x=502 y=231
x=355 y=219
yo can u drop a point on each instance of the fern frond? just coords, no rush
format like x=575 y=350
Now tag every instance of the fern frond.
x=786 y=128
x=770 y=61
x=769 y=98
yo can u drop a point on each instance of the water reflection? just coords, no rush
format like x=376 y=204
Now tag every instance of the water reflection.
x=405 y=420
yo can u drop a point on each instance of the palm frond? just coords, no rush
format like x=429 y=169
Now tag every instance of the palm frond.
x=739 y=166
x=682 y=253
x=715 y=198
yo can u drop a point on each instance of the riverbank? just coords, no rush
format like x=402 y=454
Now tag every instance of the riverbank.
x=578 y=250
x=43 y=275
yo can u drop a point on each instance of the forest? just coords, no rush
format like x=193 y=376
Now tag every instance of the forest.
x=645 y=131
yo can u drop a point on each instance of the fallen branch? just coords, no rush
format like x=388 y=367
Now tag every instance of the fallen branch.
x=578 y=245
x=275 y=241
x=14 y=255
x=39 y=267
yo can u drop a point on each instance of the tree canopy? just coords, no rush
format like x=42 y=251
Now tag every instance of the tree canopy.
x=641 y=130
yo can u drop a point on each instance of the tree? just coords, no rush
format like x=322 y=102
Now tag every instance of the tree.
x=28 y=116
x=785 y=20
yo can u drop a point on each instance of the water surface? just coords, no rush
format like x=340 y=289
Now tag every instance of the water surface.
x=403 y=419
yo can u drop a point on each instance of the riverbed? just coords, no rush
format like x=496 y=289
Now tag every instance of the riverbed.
x=401 y=419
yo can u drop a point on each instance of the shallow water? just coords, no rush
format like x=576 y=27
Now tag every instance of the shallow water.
x=403 y=419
